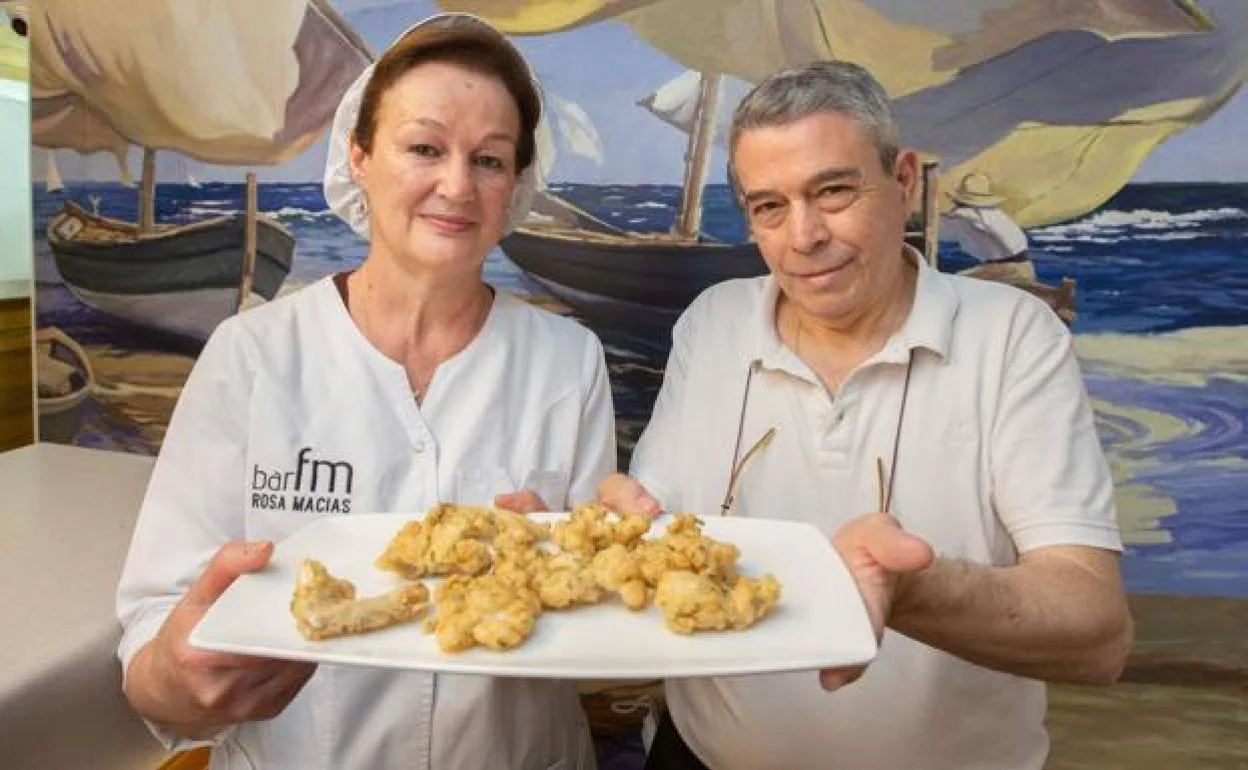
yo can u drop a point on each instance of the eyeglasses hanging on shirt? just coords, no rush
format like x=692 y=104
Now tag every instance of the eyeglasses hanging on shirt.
x=734 y=472
x=740 y=462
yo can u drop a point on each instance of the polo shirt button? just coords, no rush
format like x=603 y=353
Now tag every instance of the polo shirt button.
x=419 y=446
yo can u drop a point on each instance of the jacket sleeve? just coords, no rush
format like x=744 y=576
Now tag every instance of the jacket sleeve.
x=194 y=500
x=595 y=444
x=661 y=440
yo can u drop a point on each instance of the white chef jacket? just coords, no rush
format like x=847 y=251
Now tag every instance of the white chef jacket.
x=987 y=234
x=998 y=455
x=293 y=387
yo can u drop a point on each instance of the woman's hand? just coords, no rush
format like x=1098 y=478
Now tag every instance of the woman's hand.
x=522 y=501
x=194 y=693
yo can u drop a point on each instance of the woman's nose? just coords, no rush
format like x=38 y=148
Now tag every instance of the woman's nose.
x=457 y=182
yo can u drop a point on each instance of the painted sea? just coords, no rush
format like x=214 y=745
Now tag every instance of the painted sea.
x=1162 y=274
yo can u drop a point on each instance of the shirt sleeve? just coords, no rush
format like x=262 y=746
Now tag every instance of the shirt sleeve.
x=194 y=500
x=595 y=444
x=1051 y=480
x=659 y=442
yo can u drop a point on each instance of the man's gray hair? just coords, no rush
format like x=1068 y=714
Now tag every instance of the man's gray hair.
x=812 y=89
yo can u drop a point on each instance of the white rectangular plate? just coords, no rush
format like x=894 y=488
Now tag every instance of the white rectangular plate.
x=820 y=621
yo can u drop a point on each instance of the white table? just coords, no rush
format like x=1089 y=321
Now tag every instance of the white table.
x=13 y=288
x=66 y=515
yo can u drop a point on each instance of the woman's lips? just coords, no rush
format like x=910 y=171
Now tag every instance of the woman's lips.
x=450 y=223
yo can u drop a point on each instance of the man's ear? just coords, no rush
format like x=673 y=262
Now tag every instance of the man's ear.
x=906 y=172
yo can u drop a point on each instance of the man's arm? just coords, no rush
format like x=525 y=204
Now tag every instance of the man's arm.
x=1060 y=612
x=1059 y=615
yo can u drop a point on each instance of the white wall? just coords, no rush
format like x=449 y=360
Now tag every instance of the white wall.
x=16 y=255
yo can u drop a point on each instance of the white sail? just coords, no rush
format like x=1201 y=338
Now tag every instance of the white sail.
x=184 y=170
x=547 y=152
x=221 y=81
x=676 y=103
x=910 y=44
x=1059 y=101
x=52 y=174
x=572 y=130
x=578 y=131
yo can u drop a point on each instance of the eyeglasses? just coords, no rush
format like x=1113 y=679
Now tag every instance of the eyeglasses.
x=734 y=474
x=884 y=483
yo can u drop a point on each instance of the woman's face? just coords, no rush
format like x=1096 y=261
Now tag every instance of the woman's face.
x=442 y=169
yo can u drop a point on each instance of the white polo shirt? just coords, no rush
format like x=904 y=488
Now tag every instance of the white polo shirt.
x=291 y=414
x=998 y=454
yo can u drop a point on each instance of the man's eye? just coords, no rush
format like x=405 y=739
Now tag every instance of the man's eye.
x=835 y=190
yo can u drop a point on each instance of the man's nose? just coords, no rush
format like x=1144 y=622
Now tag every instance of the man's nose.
x=808 y=231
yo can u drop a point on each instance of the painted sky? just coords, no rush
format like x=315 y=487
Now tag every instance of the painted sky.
x=605 y=69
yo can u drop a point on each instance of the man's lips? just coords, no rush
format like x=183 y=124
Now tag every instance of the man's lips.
x=822 y=276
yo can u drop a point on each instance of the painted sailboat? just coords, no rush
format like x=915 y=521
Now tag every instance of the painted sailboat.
x=610 y=274
x=1058 y=105
x=263 y=88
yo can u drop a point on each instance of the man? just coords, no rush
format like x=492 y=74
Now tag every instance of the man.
x=969 y=396
x=987 y=233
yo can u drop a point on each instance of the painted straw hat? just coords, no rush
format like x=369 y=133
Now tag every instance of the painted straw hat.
x=975 y=189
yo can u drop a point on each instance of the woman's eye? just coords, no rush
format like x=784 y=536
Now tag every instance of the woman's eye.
x=424 y=150
x=491 y=162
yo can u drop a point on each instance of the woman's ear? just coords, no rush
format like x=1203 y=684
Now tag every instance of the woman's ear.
x=358 y=159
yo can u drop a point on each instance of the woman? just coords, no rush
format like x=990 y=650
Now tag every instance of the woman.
x=407 y=382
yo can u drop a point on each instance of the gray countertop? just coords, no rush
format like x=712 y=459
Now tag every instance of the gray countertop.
x=14 y=288
x=66 y=516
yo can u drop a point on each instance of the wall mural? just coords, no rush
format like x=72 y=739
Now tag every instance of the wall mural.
x=1100 y=136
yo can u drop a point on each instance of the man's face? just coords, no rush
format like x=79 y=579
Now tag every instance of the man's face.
x=828 y=218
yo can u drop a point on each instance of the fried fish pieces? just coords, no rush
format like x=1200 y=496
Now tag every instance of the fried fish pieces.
x=617 y=569
x=563 y=580
x=325 y=606
x=449 y=540
x=685 y=548
x=691 y=602
x=457 y=540
x=483 y=610
x=593 y=527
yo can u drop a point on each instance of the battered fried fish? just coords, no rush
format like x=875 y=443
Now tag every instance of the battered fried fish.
x=325 y=606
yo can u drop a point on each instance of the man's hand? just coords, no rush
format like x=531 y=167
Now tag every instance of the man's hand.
x=627 y=496
x=194 y=693
x=875 y=549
